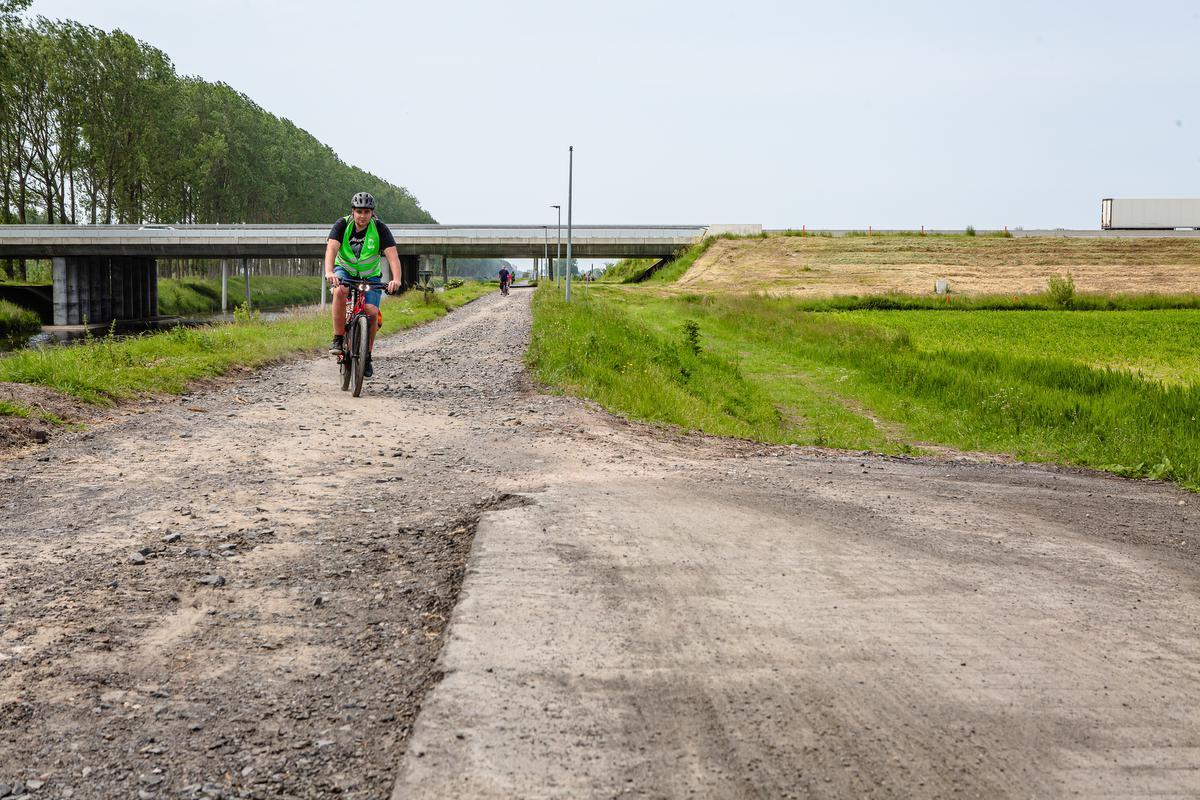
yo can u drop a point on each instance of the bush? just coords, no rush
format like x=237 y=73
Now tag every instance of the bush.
x=1061 y=289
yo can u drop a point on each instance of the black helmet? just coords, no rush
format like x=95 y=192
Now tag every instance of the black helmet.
x=362 y=200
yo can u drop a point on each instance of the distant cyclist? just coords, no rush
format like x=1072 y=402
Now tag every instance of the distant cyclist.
x=505 y=280
x=352 y=254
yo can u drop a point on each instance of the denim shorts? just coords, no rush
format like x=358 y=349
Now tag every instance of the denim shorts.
x=374 y=296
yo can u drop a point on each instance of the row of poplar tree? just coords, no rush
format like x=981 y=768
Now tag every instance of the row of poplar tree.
x=97 y=127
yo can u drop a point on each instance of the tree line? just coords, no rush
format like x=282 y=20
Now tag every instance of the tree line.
x=97 y=127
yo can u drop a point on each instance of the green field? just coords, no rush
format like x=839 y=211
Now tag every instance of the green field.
x=107 y=369
x=1116 y=390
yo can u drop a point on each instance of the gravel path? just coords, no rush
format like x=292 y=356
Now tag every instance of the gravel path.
x=187 y=613
x=242 y=593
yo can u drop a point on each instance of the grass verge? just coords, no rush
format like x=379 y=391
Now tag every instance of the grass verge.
x=101 y=371
x=1118 y=391
x=594 y=348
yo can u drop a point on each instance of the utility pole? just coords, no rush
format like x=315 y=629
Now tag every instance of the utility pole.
x=570 y=181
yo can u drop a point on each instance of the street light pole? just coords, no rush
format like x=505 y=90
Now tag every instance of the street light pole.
x=570 y=181
x=558 y=247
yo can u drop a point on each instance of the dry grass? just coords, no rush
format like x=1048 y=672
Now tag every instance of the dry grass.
x=823 y=267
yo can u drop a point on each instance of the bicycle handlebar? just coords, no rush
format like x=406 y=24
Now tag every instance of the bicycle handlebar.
x=369 y=284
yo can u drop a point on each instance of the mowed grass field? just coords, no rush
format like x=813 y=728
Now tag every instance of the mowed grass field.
x=816 y=266
x=1115 y=390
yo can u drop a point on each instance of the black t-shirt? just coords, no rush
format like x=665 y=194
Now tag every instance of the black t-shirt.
x=338 y=230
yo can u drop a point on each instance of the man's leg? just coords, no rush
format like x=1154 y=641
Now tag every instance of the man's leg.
x=339 y=319
x=339 y=310
x=372 y=327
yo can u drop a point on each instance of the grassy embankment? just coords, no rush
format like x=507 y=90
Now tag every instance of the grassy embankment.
x=104 y=370
x=1116 y=390
x=17 y=321
x=203 y=295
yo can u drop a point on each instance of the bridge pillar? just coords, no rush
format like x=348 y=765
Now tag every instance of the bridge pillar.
x=133 y=286
x=98 y=289
x=445 y=272
x=116 y=280
x=410 y=269
x=150 y=267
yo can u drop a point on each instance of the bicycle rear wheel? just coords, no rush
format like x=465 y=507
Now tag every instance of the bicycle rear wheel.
x=360 y=351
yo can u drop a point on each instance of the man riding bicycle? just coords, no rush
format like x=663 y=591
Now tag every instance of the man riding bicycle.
x=352 y=254
x=505 y=279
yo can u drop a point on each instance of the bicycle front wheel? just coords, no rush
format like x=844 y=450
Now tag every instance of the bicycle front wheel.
x=361 y=351
x=345 y=362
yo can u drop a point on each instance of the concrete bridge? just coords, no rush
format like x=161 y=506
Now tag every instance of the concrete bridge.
x=107 y=272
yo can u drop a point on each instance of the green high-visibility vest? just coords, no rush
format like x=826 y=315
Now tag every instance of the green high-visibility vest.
x=366 y=265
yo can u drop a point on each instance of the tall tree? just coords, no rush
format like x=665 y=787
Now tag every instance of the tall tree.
x=98 y=126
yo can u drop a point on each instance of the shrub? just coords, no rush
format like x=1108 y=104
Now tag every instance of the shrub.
x=1061 y=289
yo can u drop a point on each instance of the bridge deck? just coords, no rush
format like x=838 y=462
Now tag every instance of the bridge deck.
x=308 y=241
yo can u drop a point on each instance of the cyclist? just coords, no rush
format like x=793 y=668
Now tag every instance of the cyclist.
x=352 y=254
x=505 y=277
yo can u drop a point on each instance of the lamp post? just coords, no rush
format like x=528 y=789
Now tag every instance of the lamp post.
x=546 y=249
x=570 y=181
x=558 y=247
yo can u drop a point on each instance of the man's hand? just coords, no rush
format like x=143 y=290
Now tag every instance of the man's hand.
x=332 y=279
x=393 y=286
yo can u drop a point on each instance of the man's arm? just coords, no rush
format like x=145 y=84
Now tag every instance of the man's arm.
x=394 y=271
x=331 y=249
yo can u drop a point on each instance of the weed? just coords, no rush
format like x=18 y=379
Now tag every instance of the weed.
x=244 y=315
x=691 y=336
x=970 y=231
x=11 y=409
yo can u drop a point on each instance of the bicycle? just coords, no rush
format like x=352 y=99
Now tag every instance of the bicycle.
x=356 y=344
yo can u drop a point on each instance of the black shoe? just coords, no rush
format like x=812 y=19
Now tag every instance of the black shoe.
x=336 y=347
x=368 y=370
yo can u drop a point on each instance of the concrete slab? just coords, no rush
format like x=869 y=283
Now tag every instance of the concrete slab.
x=707 y=636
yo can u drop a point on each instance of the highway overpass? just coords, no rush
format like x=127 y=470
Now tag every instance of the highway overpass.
x=308 y=241
x=106 y=272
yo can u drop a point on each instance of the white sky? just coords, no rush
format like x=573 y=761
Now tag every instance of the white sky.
x=827 y=114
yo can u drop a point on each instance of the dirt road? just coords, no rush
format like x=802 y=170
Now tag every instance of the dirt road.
x=641 y=613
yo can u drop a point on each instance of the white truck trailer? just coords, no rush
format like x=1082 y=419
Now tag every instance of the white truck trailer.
x=1149 y=214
